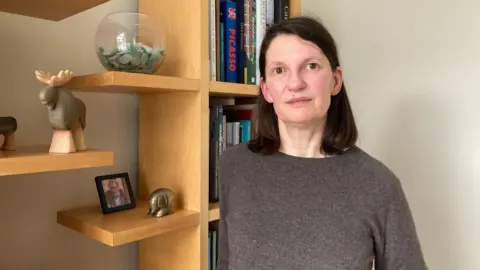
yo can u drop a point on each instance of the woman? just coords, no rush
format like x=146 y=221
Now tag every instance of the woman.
x=301 y=195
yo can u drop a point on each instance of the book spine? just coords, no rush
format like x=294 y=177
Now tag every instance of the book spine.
x=245 y=125
x=253 y=43
x=281 y=10
x=220 y=148
x=213 y=41
x=269 y=13
x=241 y=61
x=246 y=38
x=231 y=41
x=212 y=152
x=260 y=27
x=222 y=52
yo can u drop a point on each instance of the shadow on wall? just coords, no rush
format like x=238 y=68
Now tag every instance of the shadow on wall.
x=420 y=145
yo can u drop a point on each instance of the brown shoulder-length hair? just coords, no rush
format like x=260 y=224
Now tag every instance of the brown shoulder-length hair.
x=340 y=129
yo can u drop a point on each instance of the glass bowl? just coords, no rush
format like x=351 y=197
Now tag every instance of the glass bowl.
x=130 y=42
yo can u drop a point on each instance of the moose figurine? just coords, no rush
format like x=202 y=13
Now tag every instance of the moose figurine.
x=8 y=126
x=66 y=113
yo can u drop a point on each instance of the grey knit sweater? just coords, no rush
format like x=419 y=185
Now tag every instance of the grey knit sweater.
x=283 y=212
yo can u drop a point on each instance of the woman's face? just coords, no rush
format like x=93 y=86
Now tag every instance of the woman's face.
x=298 y=80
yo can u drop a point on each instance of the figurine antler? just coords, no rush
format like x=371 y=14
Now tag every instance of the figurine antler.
x=60 y=79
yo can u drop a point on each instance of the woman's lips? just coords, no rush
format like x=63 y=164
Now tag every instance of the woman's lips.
x=298 y=100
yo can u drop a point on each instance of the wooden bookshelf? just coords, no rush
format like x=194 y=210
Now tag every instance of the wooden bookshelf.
x=125 y=226
x=53 y=10
x=213 y=212
x=37 y=159
x=123 y=82
x=233 y=89
x=173 y=142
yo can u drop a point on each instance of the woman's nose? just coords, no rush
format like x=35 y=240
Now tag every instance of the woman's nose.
x=296 y=81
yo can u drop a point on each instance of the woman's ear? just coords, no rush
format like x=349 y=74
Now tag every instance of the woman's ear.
x=265 y=91
x=337 y=81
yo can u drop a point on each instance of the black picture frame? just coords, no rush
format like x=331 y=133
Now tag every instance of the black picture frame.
x=123 y=201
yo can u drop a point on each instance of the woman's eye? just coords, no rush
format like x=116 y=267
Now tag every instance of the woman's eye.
x=277 y=70
x=312 y=66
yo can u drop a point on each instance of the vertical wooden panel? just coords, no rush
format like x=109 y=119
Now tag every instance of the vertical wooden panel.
x=170 y=146
x=204 y=129
x=171 y=141
x=295 y=8
x=170 y=156
x=181 y=23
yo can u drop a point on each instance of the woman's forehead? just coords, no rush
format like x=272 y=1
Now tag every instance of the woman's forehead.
x=293 y=48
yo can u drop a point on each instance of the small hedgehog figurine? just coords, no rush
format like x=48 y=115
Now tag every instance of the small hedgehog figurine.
x=66 y=113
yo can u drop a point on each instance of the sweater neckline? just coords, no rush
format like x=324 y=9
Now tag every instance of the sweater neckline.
x=283 y=157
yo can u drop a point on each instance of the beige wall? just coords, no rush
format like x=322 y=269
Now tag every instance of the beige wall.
x=30 y=238
x=411 y=70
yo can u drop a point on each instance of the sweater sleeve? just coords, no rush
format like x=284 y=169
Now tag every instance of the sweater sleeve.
x=223 y=250
x=397 y=245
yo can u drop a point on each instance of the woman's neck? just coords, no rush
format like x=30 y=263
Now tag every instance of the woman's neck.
x=301 y=141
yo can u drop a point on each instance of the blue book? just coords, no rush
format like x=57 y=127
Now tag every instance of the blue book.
x=209 y=249
x=245 y=127
x=231 y=40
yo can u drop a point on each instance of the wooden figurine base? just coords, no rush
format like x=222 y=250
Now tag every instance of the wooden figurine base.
x=68 y=141
x=8 y=142
x=62 y=142
x=79 y=138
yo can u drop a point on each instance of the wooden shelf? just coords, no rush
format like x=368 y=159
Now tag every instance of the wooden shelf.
x=125 y=226
x=53 y=10
x=213 y=212
x=37 y=159
x=124 y=82
x=233 y=89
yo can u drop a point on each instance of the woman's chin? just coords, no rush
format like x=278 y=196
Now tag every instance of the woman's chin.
x=299 y=121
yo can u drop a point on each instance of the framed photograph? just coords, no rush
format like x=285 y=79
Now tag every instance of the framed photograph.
x=115 y=192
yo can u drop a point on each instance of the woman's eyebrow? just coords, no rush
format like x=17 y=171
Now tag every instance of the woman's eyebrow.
x=276 y=63
x=310 y=58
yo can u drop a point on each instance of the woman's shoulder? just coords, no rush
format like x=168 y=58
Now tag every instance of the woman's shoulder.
x=233 y=162
x=375 y=174
x=235 y=153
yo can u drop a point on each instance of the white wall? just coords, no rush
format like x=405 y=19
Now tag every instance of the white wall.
x=410 y=69
x=30 y=238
